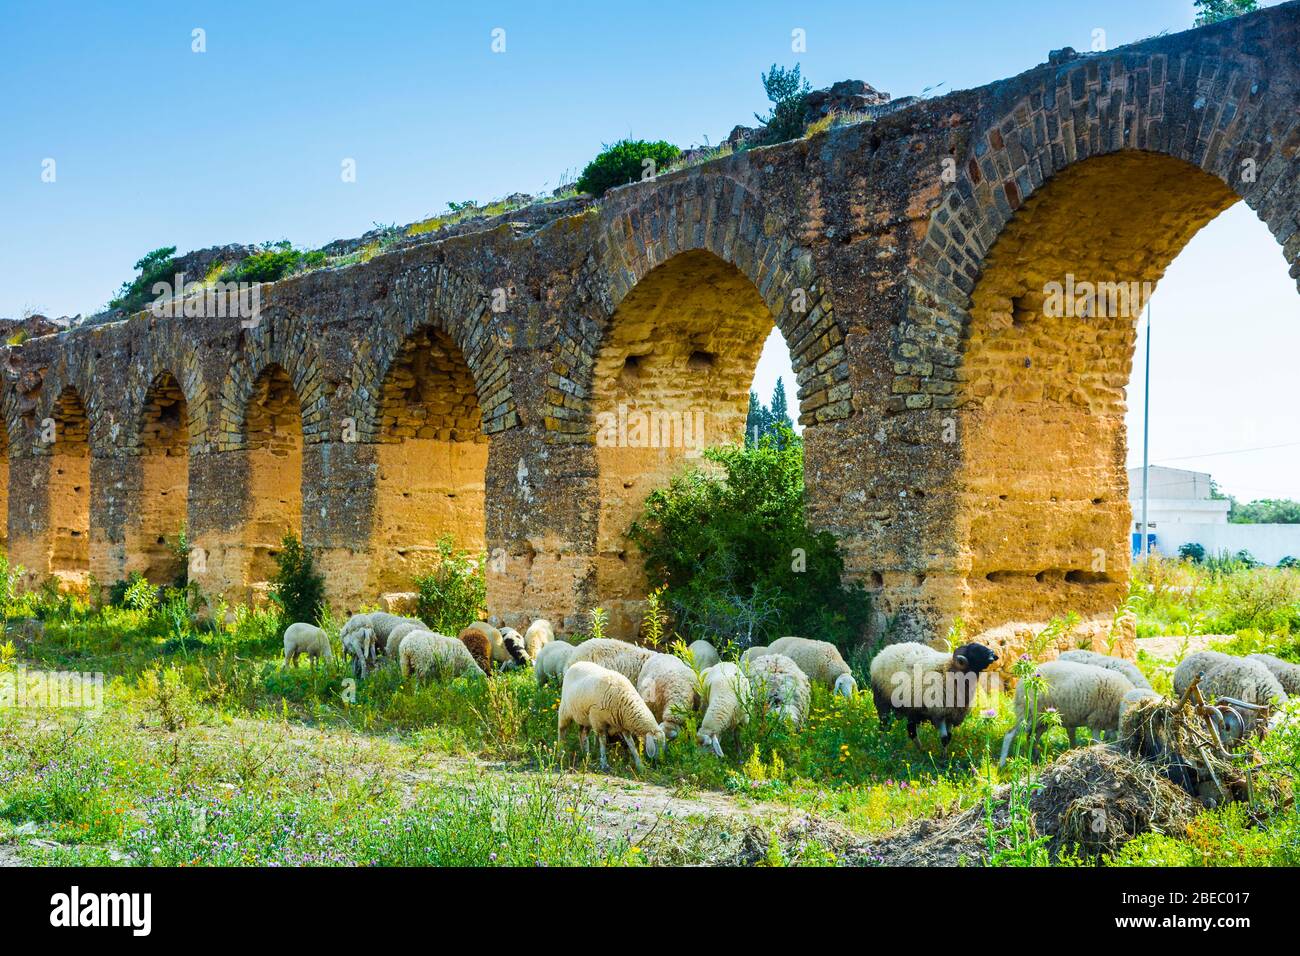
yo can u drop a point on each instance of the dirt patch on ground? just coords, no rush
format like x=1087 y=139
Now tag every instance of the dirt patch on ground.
x=1172 y=648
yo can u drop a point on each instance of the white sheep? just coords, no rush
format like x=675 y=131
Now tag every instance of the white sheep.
x=1236 y=678
x=306 y=639
x=398 y=633
x=359 y=644
x=920 y=683
x=726 y=700
x=703 y=654
x=381 y=622
x=1117 y=664
x=423 y=652
x=551 y=661
x=538 y=635
x=627 y=659
x=820 y=660
x=1287 y=674
x=604 y=701
x=670 y=689
x=1083 y=695
x=782 y=686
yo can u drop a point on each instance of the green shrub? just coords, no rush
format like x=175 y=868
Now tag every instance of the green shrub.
x=156 y=266
x=1191 y=551
x=272 y=262
x=624 y=162
x=298 y=589
x=788 y=92
x=454 y=593
x=738 y=559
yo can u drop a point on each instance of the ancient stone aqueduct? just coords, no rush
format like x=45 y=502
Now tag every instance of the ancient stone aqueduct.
x=967 y=449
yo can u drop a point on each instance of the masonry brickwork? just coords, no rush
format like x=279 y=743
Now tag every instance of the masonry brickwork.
x=964 y=445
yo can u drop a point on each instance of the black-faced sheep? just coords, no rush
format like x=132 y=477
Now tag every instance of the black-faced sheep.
x=603 y=701
x=1083 y=695
x=921 y=684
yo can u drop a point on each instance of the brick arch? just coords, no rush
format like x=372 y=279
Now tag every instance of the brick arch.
x=1100 y=173
x=434 y=302
x=1208 y=112
x=717 y=215
x=290 y=346
x=180 y=360
x=55 y=384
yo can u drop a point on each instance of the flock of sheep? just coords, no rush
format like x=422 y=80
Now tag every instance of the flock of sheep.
x=622 y=691
x=617 y=690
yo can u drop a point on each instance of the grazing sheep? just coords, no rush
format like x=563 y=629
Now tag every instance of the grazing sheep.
x=399 y=633
x=423 y=651
x=604 y=701
x=1117 y=664
x=1235 y=678
x=551 y=661
x=703 y=654
x=501 y=653
x=538 y=635
x=1287 y=674
x=668 y=686
x=382 y=623
x=783 y=687
x=917 y=682
x=513 y=642
x=820 y=660
x=627 y=659
x=1083 y=695
x=359 y=644
x=306 y=639
x=479 y=647
x=725 y=699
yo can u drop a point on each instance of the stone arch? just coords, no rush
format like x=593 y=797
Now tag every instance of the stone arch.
x=65 y=437
x=1092 y=183
x=165 y=432
x=171 y=356
x=272 y=442
x=434 y=301
x=704 y=214
x=290 y=348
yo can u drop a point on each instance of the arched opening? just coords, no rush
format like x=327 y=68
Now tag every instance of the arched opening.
x=672 y=377
x=164 y=480
x=432 y=460
x=1048 y=355
x=69 y=488
x=273 y=440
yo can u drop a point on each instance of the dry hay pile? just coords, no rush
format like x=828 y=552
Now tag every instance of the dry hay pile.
x=1092 y=800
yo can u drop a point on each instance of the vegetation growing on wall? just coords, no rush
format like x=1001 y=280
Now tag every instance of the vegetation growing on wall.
x=625 y=162
x=154 y=267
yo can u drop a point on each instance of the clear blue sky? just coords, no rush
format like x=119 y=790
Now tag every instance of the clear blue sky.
x=156 y=145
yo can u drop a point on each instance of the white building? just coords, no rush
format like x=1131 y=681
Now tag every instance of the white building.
x=1180 y=511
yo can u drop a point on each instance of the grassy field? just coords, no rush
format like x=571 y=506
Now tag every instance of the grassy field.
x=207 y=752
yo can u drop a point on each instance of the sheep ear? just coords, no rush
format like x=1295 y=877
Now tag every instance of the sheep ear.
x=717 y=745
x=961 y=660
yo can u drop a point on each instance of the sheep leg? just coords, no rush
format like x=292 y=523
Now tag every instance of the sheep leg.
x=1096 y=736
x=1069 y=732
x=604 y=761
x=911 y=730
x=1007 y=741
x=631 y=748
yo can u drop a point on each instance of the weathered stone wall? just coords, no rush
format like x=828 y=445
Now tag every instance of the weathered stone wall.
x=964 y=445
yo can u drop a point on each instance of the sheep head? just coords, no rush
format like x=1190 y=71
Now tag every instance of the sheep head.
x=973 y=658
x=845 y=685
